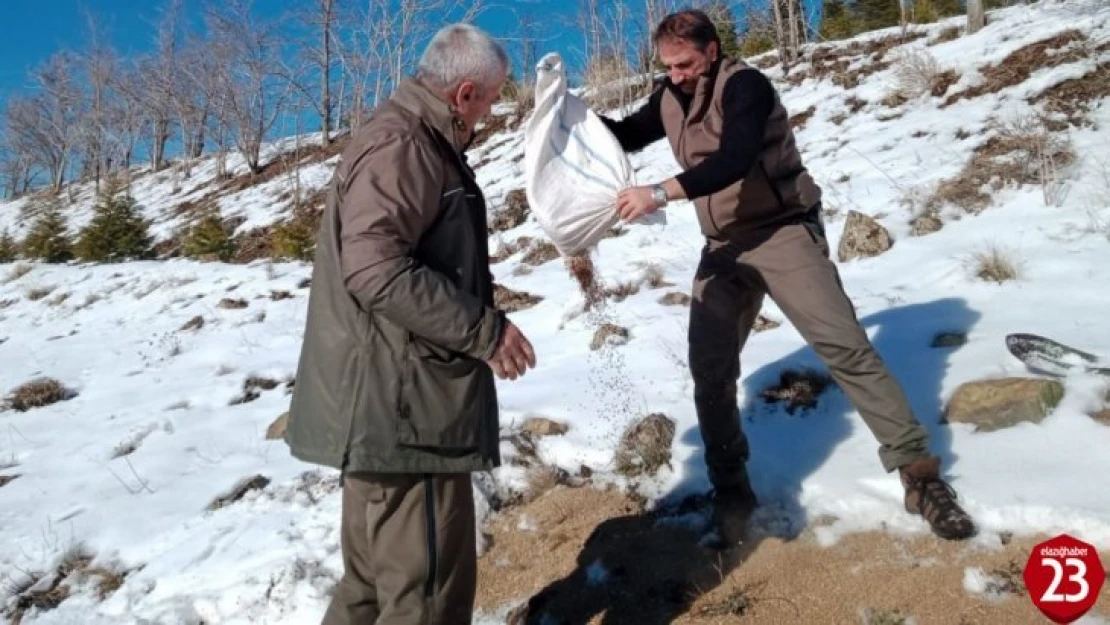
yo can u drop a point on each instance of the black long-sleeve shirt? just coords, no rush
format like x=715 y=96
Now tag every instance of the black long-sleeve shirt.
x=746 y=101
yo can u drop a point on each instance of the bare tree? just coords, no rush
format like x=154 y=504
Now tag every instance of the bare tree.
x=376 y=45
x=16 y=164
x=654 y=12
x=48 y=119
x=790 y=30
x=589 y=21
x=100 y=65
x=249 y=75
x=321 y=19
x=361 y=59
x=976 y=18
x=127 y=117
x=195 y=90
x=160 y=71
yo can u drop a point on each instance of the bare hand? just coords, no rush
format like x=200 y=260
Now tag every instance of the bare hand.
x=635 y=202
x=514 y=354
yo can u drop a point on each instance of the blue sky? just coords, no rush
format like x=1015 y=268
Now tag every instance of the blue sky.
x=30 y=31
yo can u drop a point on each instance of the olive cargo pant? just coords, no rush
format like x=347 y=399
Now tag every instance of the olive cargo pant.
x=791 y=264
x=408 y=549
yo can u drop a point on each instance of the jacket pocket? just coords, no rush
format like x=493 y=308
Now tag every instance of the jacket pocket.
x=443 y=399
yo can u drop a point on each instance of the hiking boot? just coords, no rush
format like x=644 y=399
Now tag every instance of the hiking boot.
x=931 y=497
x=732 y=506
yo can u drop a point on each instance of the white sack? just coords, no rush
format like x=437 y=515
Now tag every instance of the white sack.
x=574 y=166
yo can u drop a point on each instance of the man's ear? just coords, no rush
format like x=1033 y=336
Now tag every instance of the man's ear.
x=466 y=94
x=713 y=51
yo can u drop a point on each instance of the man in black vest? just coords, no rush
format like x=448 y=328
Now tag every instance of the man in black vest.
x=759 y=210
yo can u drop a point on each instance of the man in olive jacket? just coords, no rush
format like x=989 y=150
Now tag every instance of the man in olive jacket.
x=760 y=212
x=395 y=383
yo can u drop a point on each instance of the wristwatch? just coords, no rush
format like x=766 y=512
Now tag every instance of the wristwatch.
x=659 y=194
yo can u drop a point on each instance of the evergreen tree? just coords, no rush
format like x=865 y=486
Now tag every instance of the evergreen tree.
x=296 y=238
x=117 y=230
x=208 y=237
x=8 y=247
x=876 y=14
x=756 y=42
x=725 y=21
x=47 y=239
x=948 y=8
x=837 y=21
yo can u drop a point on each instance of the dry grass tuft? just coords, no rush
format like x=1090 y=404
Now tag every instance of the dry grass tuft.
x=253 y=245
x=513 y=214
x=852 y=78
x=195 y=323
x=950 y=33
x=508 y=249
x=45 y=591
x=125 y=448
x=995 y=265
x=1022 y=151
x=252 y=389
x=541 y=252
x=1073 y=99
x=17 y=272
x=737 y=602
x=491 y=127
x=108 y=581
x=38 y=393
x=609 y=334
x=1065 y=47
x=798 y=389
x=512 y=301
x=38 y=293
x=917 y=73
x=798 y=121
x=884 y=616
x=942 y=82
x=1007 y=581
x=610 y=84
x=240 y=490
x=645 y=446
x=854 y=104
x=675 y=298
x=539 y=480
x=877 y=48
x=622 y=291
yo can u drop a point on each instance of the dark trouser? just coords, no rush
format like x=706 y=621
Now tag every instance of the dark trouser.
x=792 y=265
x=408 y=551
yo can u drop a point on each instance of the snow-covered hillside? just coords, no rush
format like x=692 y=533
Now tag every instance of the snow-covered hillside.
x=167 y=414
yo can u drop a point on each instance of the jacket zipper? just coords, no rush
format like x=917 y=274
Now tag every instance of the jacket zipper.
x=430 y=530
x=687 y=110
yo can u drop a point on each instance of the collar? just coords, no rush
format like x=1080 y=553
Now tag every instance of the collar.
x=414 y=96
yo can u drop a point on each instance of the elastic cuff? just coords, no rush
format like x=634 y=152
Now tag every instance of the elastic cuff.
x=498 y=320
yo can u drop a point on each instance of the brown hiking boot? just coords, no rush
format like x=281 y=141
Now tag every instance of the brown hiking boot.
x=732 y=507
x=931 y=497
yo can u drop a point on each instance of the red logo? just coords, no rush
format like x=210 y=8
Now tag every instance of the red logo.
x=1064 y=576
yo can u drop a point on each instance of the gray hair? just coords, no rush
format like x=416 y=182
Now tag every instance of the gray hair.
x=461 y=52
